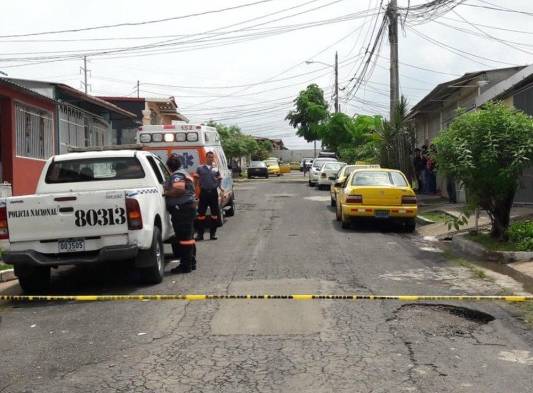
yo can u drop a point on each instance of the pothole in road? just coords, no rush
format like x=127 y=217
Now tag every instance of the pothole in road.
x=440 y=319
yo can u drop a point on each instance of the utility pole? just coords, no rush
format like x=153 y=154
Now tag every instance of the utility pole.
x=85 y=71
x=138 y=89
x=336 y=82
x=393 y=43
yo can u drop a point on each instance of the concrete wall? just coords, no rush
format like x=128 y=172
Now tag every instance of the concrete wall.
x=293 y=155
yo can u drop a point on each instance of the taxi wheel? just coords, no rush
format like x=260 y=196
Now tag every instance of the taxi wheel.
x=333 y=203
x=337 y=213
x=310 y=184
x=345 y=222
x=410 y=225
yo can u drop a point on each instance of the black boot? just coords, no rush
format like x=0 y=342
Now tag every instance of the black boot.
x=212 y=234
x=186 y=261
x=200 y=236
x=185 y=266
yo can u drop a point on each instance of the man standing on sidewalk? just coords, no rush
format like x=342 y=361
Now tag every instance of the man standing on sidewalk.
x=209 y=179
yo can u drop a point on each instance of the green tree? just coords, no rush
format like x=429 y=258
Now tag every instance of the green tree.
x=309 y=114
x=264 y=148
x=337 y=131
x=236 y=144
x=363 y=141
x=488 y=150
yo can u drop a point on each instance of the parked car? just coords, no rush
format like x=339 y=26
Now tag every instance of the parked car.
x=315 y=169
x=91 y=207
x=294 y=165
x=339 y=178
x=328 y=170
x=330 y=154
x=273 y=166
x=377 y=194
x=257 y=169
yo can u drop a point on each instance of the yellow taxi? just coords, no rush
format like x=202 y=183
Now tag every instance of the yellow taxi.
x=273 y=167
x=343 y=173
x=378 y=194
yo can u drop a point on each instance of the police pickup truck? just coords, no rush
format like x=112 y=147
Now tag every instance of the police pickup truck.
x=89 y=207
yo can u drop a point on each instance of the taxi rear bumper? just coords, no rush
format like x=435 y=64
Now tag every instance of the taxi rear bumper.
x=379 y=212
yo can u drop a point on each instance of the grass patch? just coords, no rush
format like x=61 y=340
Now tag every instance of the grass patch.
x=3 y=266
x=477 y=272
x=491 y=244
x=436 y=216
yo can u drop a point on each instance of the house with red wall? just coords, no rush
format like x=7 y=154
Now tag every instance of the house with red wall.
x=27 y=137
x=39 y=119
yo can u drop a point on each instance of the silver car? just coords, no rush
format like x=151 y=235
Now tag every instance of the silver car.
x=328 y=170
x=316 y=167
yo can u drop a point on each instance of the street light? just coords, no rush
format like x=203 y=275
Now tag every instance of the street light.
x=3 y=73
x=336 y=67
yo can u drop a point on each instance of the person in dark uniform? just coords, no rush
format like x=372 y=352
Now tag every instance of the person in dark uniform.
x=179 y=195
x=209 y=179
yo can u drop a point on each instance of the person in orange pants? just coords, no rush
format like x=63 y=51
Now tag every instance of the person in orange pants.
x=179 y=197
x=209 y=179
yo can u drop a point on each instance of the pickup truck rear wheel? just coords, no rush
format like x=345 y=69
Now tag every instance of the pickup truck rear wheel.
x=155 y=255
x=33 y=279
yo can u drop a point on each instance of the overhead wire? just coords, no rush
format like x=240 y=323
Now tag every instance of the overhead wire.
x=129 y=24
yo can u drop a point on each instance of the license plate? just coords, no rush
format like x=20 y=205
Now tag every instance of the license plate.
x=71 y=245
x=381 y=214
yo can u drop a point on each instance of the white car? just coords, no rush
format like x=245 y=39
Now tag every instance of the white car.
x=315 y=169
x=328 y=170
x=89 y=207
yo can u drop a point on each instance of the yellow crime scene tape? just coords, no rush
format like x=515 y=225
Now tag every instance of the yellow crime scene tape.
x=107 y=298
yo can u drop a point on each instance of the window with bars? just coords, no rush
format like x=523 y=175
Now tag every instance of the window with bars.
x=81 y=129
x=34 y=128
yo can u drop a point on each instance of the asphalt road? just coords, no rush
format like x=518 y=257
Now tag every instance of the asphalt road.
x=283 y=239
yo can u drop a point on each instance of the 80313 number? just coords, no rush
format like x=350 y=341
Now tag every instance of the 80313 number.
x=102 y=217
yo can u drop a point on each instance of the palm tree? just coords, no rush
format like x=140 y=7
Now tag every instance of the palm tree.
x=397 y=138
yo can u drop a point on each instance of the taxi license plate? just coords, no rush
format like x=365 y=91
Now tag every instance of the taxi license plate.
x=381 y=214
x=70 y=245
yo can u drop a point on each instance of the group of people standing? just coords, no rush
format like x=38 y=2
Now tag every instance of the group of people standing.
x=180 y=199
x=426 y=173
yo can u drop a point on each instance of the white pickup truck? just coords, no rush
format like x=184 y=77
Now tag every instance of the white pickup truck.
x=89 y=207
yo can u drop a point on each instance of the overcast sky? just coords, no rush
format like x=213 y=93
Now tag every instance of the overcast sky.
x=244 y=66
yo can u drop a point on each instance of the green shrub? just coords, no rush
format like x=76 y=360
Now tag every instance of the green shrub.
x=521 y=233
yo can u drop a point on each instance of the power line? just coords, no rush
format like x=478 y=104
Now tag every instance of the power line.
x=457 y=51
x=495 y=7
x=138 y=23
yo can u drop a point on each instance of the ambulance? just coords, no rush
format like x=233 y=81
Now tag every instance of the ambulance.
x=191 y=142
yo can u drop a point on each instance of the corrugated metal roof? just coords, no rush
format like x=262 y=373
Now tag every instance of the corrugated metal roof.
x=13 y=85
x=72 y=91
x=445 y=89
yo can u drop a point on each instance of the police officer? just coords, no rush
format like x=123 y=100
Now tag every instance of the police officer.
x=209 y=179
x=180 y=195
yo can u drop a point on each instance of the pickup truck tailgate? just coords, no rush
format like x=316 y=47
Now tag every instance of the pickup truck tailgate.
x=66 y=216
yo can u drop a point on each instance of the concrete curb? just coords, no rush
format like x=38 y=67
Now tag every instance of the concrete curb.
x=476 y=250
x=7 y=275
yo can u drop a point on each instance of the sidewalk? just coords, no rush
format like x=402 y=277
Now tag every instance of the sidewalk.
x=439 y=230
